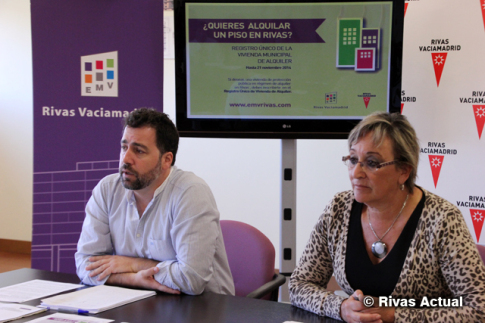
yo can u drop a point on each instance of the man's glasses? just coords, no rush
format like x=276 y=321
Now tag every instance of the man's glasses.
x=367 y=165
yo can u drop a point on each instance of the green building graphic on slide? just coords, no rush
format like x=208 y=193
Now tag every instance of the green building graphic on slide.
x=357 y=47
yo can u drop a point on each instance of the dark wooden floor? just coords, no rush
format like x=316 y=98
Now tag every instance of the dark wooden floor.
x=11 y=261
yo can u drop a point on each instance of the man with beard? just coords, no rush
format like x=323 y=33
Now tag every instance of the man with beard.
x=153 y=225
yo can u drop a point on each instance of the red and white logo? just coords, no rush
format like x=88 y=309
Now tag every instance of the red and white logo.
x=366 y=101
x=477 y=219
x=439 y=60
x=406 y=8
x=479 y=113
x=436 y=162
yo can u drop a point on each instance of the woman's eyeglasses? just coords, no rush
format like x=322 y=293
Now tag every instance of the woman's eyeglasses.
x=367 y=165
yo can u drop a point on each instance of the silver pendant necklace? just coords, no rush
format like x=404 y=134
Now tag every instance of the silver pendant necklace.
x=379 y=248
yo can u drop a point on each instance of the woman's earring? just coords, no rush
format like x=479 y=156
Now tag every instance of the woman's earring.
x=402 y=187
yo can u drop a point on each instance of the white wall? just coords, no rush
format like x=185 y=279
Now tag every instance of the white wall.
x=243 y=174
x=15 y=121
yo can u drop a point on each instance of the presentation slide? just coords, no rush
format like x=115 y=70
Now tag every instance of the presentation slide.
x=287 y=60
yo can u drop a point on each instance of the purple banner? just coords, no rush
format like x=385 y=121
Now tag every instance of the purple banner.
x=255 y=30
x=93 y=62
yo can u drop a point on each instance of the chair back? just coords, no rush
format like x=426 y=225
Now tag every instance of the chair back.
x=251 y=256
x=481 y=251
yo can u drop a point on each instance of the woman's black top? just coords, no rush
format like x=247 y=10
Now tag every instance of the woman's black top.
x=380 y=279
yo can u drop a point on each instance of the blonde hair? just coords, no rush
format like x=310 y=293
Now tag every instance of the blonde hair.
x=397 y=128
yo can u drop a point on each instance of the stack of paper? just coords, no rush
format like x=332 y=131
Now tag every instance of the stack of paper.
x=9 y=312
x=95 y=299
x=33 y=289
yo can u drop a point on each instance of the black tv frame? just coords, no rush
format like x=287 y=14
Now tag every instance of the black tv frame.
x=276 y=128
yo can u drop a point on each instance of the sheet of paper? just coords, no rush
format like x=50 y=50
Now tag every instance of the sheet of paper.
x=96 y=299
x=9 y=312
x=341 y=293
x=69 y=318
x=33 y=289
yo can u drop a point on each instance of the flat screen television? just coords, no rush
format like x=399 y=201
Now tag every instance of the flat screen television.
x=285 y=69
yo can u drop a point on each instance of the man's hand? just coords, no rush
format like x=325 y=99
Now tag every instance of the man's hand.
x=107 y=265
x=142 y=279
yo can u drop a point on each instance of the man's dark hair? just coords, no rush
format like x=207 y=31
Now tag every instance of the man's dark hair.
x=167 y=134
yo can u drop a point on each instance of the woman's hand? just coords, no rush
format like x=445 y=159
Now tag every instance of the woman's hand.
x=353 y=310
x=386 y=313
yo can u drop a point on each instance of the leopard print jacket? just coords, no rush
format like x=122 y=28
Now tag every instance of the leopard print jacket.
x=442 y=261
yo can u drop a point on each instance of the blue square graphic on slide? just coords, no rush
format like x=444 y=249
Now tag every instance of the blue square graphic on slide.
x=110 y=75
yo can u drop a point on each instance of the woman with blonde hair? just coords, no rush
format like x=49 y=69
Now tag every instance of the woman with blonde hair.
x=396 y=248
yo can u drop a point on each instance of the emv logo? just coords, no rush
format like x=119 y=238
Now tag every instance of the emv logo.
x=99 y=74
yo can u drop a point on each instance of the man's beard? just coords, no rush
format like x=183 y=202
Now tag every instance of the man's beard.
x=143 y=180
